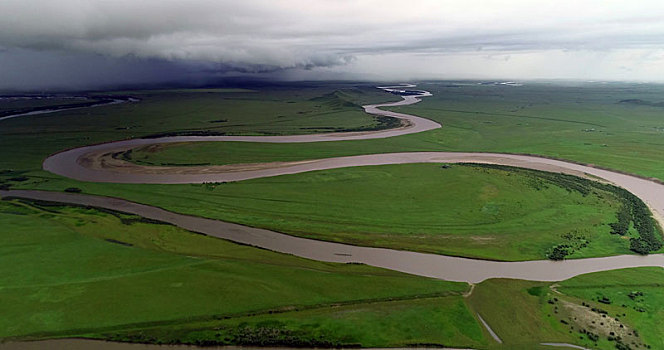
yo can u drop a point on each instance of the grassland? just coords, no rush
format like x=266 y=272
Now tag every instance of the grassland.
x=585 y=123
x=523 y=314
x=98 y=272
x=11 y=105
x=634 y=296
x=463 y=210
x=598 y=310
x=26 y=141
x=72 y=271
x=476 y=118
x=109 y=275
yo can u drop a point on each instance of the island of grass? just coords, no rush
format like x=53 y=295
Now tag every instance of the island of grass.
x=471 y=210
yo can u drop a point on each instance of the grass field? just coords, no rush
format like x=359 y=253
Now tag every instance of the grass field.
x=526 y=313
x=523 y=315
x=463 y=210
x=26 y=141
x=581 y=123
x=635 y=296
x=94 y=272
x=115 y=276
x=71 y=271
x=426 y=321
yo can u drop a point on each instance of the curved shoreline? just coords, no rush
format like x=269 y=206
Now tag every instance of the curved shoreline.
x=69 y=163
x=421 y=264
x=66 y=163
x=79 y=164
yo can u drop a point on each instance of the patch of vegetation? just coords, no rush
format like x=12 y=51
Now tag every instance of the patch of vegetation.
x=463 y=210
x=633 y=210
x=380 y=123
x=434 y=322
x=627 y=305
x=573 y=241
x=584 y=311
x=543 y=119
x=637 y=212
x=639 y=102
x=90 y=274
x=55 y=207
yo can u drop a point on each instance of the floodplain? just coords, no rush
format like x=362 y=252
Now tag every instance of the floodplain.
x=100 y=280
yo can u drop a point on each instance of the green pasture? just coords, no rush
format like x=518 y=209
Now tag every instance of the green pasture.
x=587 y=124
x=635 y=296
x=26 y=141
x=69 y=271
x=108 y=275
x=524 y=314
x=463 y=210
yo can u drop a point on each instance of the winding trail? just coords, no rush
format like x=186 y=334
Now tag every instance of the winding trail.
x=94 y=163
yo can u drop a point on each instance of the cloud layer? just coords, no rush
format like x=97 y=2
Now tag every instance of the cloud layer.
x=339 y=38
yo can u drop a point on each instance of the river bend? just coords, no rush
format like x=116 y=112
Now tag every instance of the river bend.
x=71 y=164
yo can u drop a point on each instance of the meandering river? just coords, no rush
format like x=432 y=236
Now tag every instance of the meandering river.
x=84 y=164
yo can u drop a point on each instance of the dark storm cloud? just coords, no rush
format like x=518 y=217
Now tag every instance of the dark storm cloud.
x=161 y=40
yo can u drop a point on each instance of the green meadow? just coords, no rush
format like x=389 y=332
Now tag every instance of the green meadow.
x=80 y=272
x=107 y=275
x=620 y=309
x=605 y=125
x=464 y=210
x=93 y=272
x=27 y=140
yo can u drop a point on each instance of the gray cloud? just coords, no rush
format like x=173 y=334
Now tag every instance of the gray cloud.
x=305 y=39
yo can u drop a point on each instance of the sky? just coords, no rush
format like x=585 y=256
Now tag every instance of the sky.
x=81 y=44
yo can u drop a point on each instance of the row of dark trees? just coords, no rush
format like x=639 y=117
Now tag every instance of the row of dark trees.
x=633 y=209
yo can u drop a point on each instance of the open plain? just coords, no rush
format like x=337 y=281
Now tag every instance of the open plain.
x=291 y=191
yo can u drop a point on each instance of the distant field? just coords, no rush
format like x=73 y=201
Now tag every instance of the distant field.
x=582 y=123
x=24 y=103
x=26 y=141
